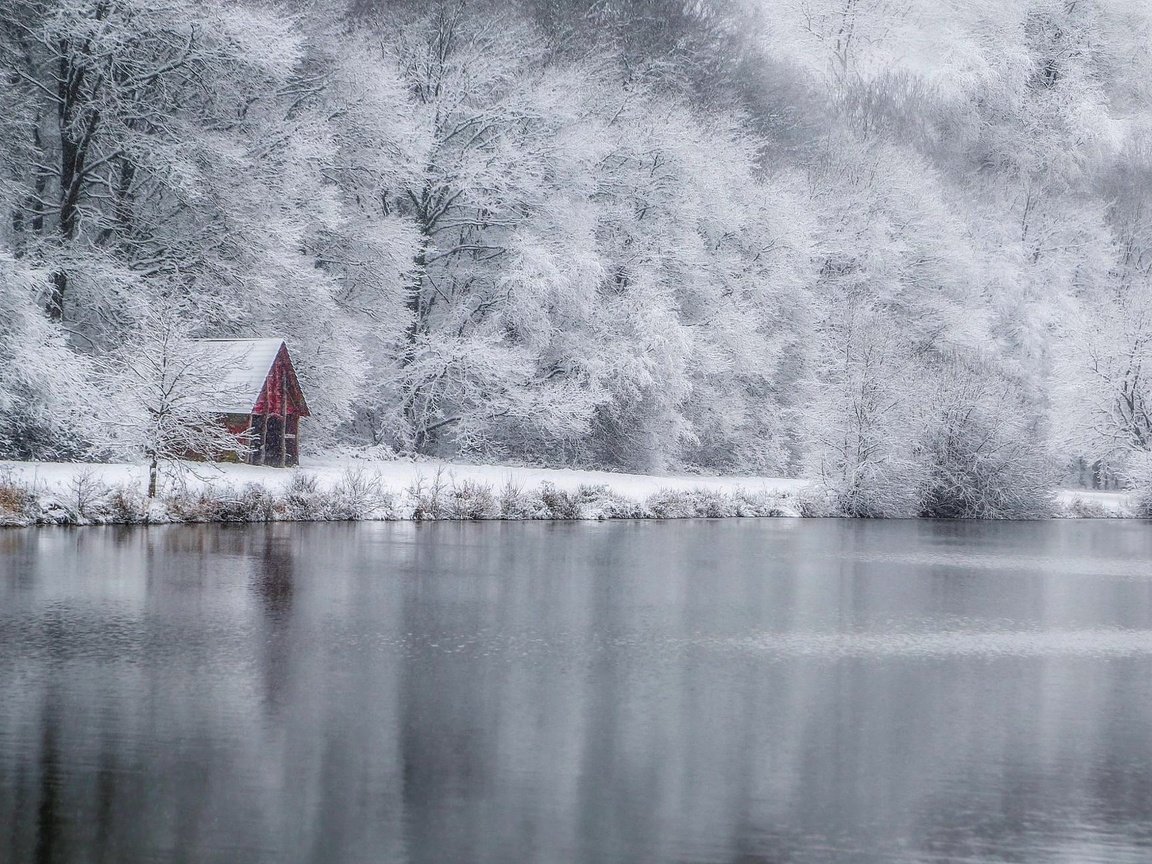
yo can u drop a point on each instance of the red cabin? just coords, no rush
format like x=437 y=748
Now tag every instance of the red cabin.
x=259 y=396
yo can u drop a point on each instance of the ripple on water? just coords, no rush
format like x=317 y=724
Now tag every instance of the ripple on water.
x=1100 y=642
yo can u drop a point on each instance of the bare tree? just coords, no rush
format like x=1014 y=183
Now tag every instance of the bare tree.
x=163 y=387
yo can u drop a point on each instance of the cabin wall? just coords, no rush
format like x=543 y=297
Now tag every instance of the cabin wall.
x=273 y=442
x=236 y=424
x=292 y=440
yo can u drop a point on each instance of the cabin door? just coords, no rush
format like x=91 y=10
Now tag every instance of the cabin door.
x=268 y=439
x=274 y=440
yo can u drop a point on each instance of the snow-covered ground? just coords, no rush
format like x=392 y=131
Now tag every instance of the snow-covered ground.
x=397 y=475
x=400 y=476
x=363 y=489
x=1087 y=500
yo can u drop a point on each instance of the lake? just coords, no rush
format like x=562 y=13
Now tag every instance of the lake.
x=700 y=691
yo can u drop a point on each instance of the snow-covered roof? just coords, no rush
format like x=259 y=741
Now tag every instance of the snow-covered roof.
x=243 y=366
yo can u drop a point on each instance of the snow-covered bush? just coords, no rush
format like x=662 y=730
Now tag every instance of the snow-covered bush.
x=560 y=503
x=303 y=499
x=430 y=497
x=764 y=504
x=88 y=493
x=16 y=501
x=513 y=502
x=984 y=446
x=360 y=495
x=473 y=500
x=889 y=488
x=127 y=506
x=817 y=502
x=1080 y=507
x=1139 y=474
x=598 y=501
x=250 y=503
x=255 y=503
x=689 y=503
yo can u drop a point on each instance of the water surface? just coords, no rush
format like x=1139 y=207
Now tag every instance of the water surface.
x=703 y=691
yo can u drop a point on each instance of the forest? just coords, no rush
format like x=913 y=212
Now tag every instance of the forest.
x=900 y=247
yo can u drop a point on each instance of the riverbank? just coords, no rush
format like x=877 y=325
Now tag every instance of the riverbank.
x=79 y=494
x=52 y=493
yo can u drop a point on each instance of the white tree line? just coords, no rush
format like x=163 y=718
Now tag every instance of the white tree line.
x=565 y=233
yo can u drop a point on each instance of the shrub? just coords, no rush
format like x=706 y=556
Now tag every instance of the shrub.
x=302 y=499
x=512 y=502
x=712 y=504
x=88 y=494
x=259 y=503
x=185 y=506
x=559 y=503
x=762 y=504
x=891 y=488
x=1138 y=474
x=1084 y=508
x=17 y=503
x=687 y=503
x=472 y=500
x=359 y=495
x=816 y=502
x=126 y=505
x=983 y=447
x=430 y=499
x=515 y=502
x=600 y=502
x=965 y=441
x=1142 y=506
x=253 y=503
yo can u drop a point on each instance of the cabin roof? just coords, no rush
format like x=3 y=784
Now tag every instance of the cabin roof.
x=243 y=366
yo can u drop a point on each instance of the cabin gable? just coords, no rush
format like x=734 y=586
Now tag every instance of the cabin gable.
x=281 y=393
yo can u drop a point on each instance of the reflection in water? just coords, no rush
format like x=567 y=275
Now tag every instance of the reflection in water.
x=273 y=584
x=735 y=691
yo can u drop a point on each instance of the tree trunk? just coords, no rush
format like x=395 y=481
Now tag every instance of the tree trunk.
x=153 y=475
x=56 y=297
x=412 y=332
x=76 y=131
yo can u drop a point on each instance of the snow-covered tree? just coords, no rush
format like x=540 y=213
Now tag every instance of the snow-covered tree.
x=176 y=142
x=162 y=386
x=984 y=443
x=46 y=394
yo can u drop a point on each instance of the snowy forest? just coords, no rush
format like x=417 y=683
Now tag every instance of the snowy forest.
x=900 y=247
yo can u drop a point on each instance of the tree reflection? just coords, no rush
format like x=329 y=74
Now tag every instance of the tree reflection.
x=637 y=692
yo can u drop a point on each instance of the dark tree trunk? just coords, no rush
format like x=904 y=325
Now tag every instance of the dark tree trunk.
x=77 y=129
x=56 y=296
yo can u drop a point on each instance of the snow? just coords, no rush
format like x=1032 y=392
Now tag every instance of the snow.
x=1114 y=503
x=400 y=474
x=244 y=365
